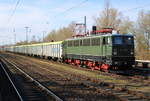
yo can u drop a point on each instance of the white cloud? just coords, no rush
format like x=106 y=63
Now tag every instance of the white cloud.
x=37 y=13
x=36 y=17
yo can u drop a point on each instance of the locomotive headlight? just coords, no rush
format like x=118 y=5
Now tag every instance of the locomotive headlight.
x=131 y=53
x=115 y=53
x=115 y=63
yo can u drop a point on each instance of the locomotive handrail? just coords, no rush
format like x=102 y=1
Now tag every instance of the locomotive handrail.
x=143 y=61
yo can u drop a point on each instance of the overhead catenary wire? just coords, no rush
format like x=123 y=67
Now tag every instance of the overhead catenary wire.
x=14 y=10
x=12 y=13
x=69 y=9
x=73 y=7
x=138 y=7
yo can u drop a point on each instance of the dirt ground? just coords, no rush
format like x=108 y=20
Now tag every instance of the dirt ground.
x=73 y=83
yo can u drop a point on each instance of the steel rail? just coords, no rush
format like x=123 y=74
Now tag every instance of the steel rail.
x=18 y=94
x=35 y=81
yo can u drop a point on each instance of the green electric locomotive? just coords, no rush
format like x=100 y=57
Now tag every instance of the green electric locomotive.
x=102 y=52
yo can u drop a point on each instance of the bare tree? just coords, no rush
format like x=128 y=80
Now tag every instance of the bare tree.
x=113 y=21
x=61 y=34
x=112 y=18
x=33 y=40
x=144 y=26
x=50 y=36
x=125 y=26
x=21 y=43
x=142 y=33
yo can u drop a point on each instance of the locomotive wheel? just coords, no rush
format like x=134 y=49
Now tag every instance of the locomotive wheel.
x=105 y=67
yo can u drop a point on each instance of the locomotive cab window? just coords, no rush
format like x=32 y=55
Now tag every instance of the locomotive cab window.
x=105 y=40
x=128 y=40
x=118 y=40
x=81 y=42
x=109 y=40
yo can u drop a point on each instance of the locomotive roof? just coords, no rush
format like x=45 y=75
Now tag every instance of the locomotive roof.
x=100 y=36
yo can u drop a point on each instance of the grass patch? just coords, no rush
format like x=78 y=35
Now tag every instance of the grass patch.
x=145 y=89
x=87 y=73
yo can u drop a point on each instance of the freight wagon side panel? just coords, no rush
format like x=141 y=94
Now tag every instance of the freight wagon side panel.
x=54 y=49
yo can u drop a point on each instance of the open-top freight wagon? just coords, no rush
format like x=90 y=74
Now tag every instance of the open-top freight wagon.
x=50 y=50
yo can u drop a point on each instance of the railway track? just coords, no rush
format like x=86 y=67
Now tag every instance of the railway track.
x=68 y=96
x=122 y=94
x=7 y=83
x=143 y=63
x=26 y=88
x=144 y=72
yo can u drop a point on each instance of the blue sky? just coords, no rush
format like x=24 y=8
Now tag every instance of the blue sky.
x=45 y=15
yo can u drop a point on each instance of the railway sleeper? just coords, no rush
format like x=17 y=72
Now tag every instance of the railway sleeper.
x=28 y=88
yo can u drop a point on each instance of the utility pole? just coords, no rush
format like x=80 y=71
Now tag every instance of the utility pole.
x=43 y=35
x=107 y=7
x=27 y=34
x=26 y=38
x=14 y=36
x=14 y=39
x=85 y=24
x=43 y=44
x=84 y=29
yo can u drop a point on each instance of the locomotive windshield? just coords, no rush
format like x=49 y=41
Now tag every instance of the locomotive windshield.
x=128 y=40
x=119 y=40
